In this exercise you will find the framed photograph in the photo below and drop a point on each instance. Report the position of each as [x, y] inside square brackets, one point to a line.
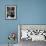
[10, 12]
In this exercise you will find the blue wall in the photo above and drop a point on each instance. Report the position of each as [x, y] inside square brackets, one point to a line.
[28, 12]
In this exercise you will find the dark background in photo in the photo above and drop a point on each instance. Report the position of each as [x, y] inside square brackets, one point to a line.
[10, 11]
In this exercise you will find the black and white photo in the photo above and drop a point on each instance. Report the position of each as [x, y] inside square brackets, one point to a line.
[10, 12]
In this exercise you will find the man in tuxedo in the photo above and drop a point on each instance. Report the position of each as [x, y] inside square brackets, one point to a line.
[10, 12]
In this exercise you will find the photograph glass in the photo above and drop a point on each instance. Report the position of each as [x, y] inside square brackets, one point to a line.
[10, 12]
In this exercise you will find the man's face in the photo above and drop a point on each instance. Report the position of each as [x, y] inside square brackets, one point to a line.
[10, 10]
